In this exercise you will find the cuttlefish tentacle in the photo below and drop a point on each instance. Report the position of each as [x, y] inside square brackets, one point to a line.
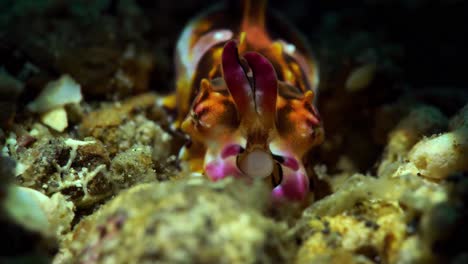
[265, 87]
[236, 80]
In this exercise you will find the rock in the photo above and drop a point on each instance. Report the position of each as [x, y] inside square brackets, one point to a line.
[121, 126]
[368, 232]
[132, 166]
[440, 156]
[75, 168]
[421, 121]
[366, 220]
[180, 222]
[115, 115]
[440, 231]
[435, 156]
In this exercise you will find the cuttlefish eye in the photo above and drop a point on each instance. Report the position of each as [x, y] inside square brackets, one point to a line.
[256, 164]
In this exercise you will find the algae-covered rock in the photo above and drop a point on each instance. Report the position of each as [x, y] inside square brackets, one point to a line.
[420, 121]
[84, 170]
[436, 156]
[398, 216]
[132, 166]
[122, 125]
[443, 225]
[368, 232]
[367, 219]
[445, 154]
[180, 222]
[75, 168]
[439, 235]
[442, 155]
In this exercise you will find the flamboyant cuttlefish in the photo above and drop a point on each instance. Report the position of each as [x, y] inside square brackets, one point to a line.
[245, 97]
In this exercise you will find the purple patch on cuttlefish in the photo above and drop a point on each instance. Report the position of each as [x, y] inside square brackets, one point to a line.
[291, 163]
[295, 186]
[221, 168]
[231, 150]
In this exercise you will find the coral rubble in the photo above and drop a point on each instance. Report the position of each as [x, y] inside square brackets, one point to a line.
[179, 222]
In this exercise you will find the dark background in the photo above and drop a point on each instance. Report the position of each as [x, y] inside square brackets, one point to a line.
[431, 33]
[428, 34]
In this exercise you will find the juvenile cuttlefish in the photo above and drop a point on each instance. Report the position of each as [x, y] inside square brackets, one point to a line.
[246, 82]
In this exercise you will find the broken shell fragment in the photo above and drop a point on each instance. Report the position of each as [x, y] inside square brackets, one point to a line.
[34, 210]
[55, 119]
[57, 93]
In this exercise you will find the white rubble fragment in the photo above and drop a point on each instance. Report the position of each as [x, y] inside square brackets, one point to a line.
[25, 206]
[20, 168]
[55, 119]
[37, 212]
[56, 94]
